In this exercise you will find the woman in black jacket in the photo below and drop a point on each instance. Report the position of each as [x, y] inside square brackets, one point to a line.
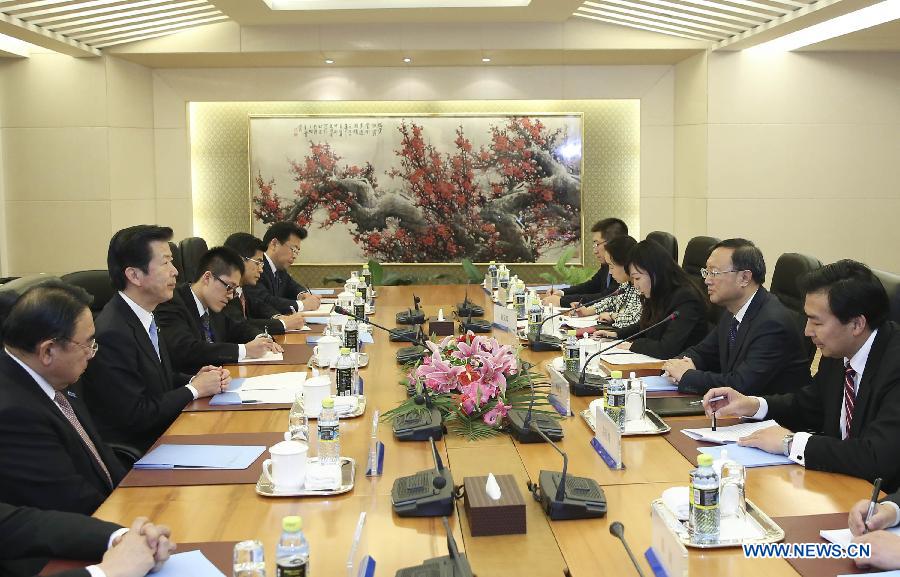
[665, 288]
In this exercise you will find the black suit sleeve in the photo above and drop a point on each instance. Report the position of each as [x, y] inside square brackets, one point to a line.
[237, 331]
[705, 354]
[262, 301]
[675, 334]
[187, 350]
[35, 463]
[27, 532]
[802, 410]
[258, 325]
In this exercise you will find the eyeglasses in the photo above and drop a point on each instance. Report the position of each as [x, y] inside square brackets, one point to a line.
[92, 346]
[295, 250]
[258, 263]
[598, 244]
[706, 272]
[229, 288]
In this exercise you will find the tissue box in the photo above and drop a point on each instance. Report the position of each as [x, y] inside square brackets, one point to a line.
[488, 517]
[440, 328]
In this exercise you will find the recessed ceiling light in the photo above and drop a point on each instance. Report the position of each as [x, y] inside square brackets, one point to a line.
[329, 61]
[407, 60]
[851, 22]
[485, 59]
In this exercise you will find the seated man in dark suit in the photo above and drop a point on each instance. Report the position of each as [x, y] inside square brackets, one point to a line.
[757, 349]
[30, 536]
[239, 308]
[50, 453]
[277, 292]
[602, 283]
[131, 389]
[847, 420]
[197, 333]
[885, 545]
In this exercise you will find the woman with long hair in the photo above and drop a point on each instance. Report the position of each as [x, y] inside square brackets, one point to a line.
[665, 289]
[623, 307]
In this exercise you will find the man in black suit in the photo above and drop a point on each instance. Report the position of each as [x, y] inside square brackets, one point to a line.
[131, 389]
[239, 308]
[277, 292]
[35, 535]
[602, 283]
[197, 333]
[885, 545]
[757, 349]
[50, 455]
[847, 420]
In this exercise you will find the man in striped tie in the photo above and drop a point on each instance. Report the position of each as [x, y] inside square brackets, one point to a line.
[51, 456]
[847, 420]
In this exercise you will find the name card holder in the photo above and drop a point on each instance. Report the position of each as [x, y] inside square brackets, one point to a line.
[607, 441]
[667, 556]
[375, 465]
[504, 318]
[560, 396]
[359, 562]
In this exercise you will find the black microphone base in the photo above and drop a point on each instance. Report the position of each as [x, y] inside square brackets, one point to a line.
[592, 386]
[412, 354]
[411, 317]
[419, 426]
[475, 326]
[416, 495]
[546, 343]
[469, 310]
[405, 335]
[439, 567]
[584, 499]
[527, 434]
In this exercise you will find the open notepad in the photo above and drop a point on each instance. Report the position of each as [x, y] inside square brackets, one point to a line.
[193, 563]
[278, 388]
[168, 456]
[729, 434]
[269, 356]
[844, 537]
[623, 357]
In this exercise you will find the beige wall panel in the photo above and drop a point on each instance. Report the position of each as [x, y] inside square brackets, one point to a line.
[691, 90]
[690, 161]
[125, 213]
[436, 37]
[131, 166]
[169, 106]
[175, 213]
[130, 89]
[656, 101]
[172, 163]
[657, 162]
[542, 36]
[657, 213]
[616, 82]
[54, 90]
[56, 164]
[489, 83]
[690, 219]
[81, 227]
[880, 233]
[279, 38]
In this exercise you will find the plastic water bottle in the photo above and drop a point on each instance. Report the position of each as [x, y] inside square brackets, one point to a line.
[298, 422]
[614, 405]
[351, 334]
[704, 493]
[367, 275]
[329, 434]
[363, 289]
[503, 275]
[519, 301]
[359, 306]
[292, 552]
[249, 559]
[344, 373]
[492, 276]
[732, 477]
[573, 353]
[535, 318]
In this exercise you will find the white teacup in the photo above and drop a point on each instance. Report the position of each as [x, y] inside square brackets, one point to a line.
[315, 390]
[286, 470]
[326, 350]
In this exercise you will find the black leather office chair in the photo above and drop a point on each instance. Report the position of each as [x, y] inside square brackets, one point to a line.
[788, 270]
[176, 260]
[891, 284]
[192, 248]
[97, 283]
[695, 254]
[665, 240]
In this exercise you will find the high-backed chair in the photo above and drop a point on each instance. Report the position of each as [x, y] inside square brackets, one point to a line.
[11, 290]
[665, 240]
[789, 268]
[176, 260]
[695, 254]
[192, 248]
[97, 283]
[891, 284]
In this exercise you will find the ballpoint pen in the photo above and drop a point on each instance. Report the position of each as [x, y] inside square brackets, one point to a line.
[872, 502]
[712, 400]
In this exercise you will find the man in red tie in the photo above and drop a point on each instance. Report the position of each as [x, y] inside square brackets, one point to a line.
[847, 420]
[51, 456]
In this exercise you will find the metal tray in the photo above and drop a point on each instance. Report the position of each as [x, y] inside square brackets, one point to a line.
[659, 426]
[348, 474]
[769, 531]
[360, 410]
[363, 361]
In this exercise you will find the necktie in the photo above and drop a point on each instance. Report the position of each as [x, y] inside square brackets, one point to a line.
[70, 415]
[154, 337]
[849, 397]
[243, 304]
[732, 333]
[207, 330]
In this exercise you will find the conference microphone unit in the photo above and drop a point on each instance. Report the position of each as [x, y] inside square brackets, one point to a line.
[617, 529]
[469, 309]
[474, 325]
[413, 316]
[453, 565]
[546, 343]
[428, 493]
[528, 427]
[583, 385]
[566, 497]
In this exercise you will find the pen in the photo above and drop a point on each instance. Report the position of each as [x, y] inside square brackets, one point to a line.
[714, 421]
[712, 400]
[293, 310]
[875, 490]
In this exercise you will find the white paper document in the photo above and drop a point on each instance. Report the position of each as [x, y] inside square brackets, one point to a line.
[844, 536]
[289, 380]
[323, 310]
[729, 434]
[269, 356]
[580, 322]
[269, 396]
[623, 357]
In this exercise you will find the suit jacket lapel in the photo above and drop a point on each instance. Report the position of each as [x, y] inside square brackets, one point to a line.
[141, 336]
[865, 392]
[744, 328]
[187, 296]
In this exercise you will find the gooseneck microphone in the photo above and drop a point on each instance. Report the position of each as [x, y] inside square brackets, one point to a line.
[527, 428]
[581, 377]
[540, 345]
[415, 339]
[617, 529]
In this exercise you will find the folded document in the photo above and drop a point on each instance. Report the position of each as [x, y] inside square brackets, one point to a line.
[729, 434]
[168, 456]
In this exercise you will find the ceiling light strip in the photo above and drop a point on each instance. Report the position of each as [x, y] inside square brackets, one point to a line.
[630, 25]
[657, 24]
[658, 16]
[728, 8]
[134, 35]
[759, 6]
[124, 21]
[70, 8]
[19, 5]
[814, 7]
[104, 34]
[676, 13]
[85, 14]
[692, 9]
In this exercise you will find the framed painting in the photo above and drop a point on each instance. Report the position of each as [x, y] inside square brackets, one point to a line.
[418, 188]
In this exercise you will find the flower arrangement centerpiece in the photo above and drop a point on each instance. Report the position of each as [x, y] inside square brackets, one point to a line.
[474, 381]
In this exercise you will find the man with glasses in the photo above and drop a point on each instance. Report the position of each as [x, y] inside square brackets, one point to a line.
[277, 293]
[197, 332]
[758, 348]
[602, 283]
[51, 456]
[241, 308]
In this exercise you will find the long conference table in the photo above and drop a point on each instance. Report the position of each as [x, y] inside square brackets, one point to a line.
[211, 513]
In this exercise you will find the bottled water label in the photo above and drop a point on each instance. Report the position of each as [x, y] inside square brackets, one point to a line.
[363, 292]
[705, 499]
[351, 339]
[293, 566]
[360, 310]
[344, 379]
[573, 358]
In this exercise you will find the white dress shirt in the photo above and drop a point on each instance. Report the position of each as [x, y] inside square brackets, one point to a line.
[857, 363]
[275, 271]
[202, 310]
[739, 316]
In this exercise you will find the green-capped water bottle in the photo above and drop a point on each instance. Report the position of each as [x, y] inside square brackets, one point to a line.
[573, 352]
[704, 494]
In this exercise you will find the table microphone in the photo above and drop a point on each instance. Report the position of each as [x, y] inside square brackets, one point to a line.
[526, 427]
[617, 529]
[540, 345]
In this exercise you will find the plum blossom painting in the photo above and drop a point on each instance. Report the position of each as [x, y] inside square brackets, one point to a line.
[421, 188]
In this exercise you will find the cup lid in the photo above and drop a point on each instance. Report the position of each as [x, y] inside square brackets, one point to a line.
[288, 448]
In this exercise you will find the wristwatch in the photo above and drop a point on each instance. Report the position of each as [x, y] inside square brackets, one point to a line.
[786, 444]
